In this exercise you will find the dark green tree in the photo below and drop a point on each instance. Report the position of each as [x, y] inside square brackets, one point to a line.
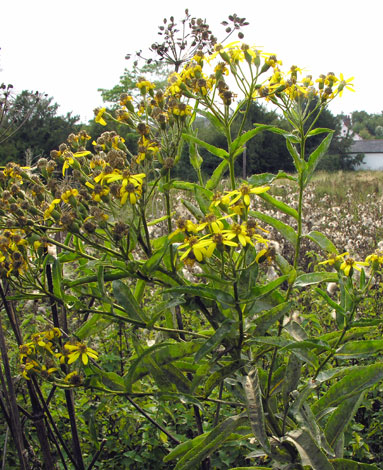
[41, 131]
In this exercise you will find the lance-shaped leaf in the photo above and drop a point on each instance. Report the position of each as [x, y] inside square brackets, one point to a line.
[204, 292]
[127, 300]
[291, 378]
[308, 450]
[162, 353]
[267, 178]
[265, 321]
[217, 175]
[184, 447]
[345, 464]
[288, 232]
[331, 302]
[210, 443]
[339, 419]
[322, 241]
[195, 158]
[94, 325]
[243, 138]
[214, 120]
[153, 262]
[203, 197]
[255, 409]
[218, 152]
[315, 278]
[221, 333]
[299, 163]
[359, 378]
[359, 349]
[316, 156]
[258, 292]
[218, 376]
[281, 206]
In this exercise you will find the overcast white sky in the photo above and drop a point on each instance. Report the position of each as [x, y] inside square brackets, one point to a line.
[68, 49]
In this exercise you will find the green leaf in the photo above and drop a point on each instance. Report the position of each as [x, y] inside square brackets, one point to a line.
[281, 206]
[255, 409]
[339, 419]
[217, 175]
[153, 262]
[203, 197]
[329, 300]
[218, 376]
[358, 349]
[111, 380]
[221, 333]
[195, 158]
[316, 156]
[161, 353]
[299, 164]
[291, 378]
[267, 178]
[265, 321]
[308, 449]
[258, 292]
[287, 231]
[210, 443]
[345, 464]
[214, 120]
[322, 241]
[356, 381]
[194, 210]
[315, 278]
[218, 152]
[184, 447]
[94, 325]
[319, 130]
[242, 139]
[204, 292]
[127, 300]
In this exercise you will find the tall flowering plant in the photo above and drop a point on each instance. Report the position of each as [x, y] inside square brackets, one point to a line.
[207, 325]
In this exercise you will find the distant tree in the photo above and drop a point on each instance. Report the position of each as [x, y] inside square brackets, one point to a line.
[41, 131]
[155, 72]
[368, 126]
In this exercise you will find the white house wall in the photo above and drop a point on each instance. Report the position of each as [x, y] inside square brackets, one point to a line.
[372, 162]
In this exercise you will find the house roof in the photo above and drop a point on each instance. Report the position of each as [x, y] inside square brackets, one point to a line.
[367, 146]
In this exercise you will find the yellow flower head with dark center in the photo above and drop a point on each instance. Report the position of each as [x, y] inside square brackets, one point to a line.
[350, 264]
[375, 259]
[240, 233]
[333, 258]
[219, 240]
[80, 350]
[195, 247]
[244, 193]
[131, 192]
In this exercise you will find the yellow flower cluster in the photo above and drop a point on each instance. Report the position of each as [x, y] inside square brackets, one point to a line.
[44, 354]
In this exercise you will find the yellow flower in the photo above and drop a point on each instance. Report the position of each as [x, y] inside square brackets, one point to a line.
[344, 84]
[99, 113]
[333, 258]
[68, 194]
[69, 158]
[244, 193]
[48, 212]
[240, 232]
[218, 240]
[350, 264]
[195, 248]
[78, 350]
